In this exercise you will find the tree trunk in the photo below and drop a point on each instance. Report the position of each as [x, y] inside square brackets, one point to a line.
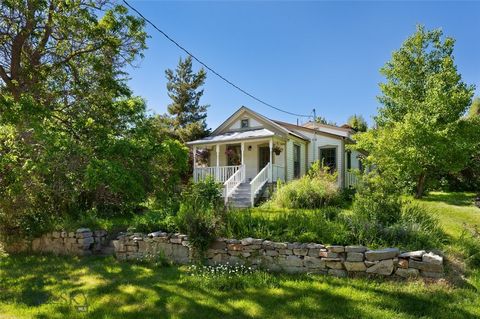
[421, 185]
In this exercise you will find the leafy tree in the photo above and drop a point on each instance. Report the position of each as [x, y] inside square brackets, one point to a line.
[358, 123]
[420, 130]
[474, 108]
[188, 116]
[72, 137]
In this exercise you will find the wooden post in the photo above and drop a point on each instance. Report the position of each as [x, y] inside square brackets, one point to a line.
[243, 159]
[271, 159]
[218, 163]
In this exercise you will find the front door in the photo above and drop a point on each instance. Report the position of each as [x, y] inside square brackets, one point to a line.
[263, 156]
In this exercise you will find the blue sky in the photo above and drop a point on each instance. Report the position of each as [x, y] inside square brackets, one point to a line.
[295, 55]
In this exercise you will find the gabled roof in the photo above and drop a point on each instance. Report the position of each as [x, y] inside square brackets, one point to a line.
[316, 130]
[259, 117]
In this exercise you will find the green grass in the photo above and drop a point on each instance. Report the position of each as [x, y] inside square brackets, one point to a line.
[453, 210]
[37, 286]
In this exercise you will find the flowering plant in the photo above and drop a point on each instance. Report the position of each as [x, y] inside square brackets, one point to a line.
[277, 149]
[203, 156]
[233, 156]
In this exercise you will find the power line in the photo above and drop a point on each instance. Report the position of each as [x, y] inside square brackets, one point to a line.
[209, 68]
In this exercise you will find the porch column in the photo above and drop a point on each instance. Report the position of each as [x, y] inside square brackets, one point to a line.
[242, 149]
[271, 160]
[194, 163]
[217, 177]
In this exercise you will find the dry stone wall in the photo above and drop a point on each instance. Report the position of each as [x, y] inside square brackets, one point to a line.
[284, 257]
[82, 242]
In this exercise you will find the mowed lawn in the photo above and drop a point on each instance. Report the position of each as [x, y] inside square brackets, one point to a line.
[51, 287]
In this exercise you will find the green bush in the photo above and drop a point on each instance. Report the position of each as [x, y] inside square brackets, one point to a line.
[154, 220]
[315, 190]
[201, 213]
[381, 218]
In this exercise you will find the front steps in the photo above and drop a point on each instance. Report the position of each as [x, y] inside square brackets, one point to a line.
[241, 197]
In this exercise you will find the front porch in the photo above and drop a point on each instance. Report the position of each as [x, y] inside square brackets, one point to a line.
[244, 167]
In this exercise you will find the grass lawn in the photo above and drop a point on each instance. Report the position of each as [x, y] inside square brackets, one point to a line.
[453, 210]
[34, 286]
[39, 286]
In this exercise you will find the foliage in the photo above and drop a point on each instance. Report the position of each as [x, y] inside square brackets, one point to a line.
[316, 189]
[421, 131]
[201, 213]
[74, 138]
[474, 108]
[323, 120]
[358, 123]
[153, 220]
[321, 226]
[470, 242]
[187, 115]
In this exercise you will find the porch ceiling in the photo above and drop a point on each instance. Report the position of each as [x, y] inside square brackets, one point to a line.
[234, 136]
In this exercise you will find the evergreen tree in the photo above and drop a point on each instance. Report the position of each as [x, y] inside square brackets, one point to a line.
[188, 117]
[358, 123]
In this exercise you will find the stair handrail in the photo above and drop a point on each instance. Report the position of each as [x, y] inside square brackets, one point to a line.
[258, 181]
[232, 183]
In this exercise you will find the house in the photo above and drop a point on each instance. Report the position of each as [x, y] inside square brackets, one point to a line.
[249, 150]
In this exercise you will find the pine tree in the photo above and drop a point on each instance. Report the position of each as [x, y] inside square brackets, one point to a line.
[188, 117]
[358, 123]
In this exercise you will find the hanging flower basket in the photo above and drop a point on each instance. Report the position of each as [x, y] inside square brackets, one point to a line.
[277, 149]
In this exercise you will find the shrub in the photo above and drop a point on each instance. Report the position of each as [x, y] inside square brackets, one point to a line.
[154, 220]
[314, 190]
[380, 217]
[201, 213]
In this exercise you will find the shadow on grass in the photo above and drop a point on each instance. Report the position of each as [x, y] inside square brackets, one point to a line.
[127, 290]
[456, 199]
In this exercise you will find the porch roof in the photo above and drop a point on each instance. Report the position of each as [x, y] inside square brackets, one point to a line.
[234, 136]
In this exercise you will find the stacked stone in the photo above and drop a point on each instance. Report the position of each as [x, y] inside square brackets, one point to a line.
[286, 257]
[82, 242]
[411, 264]
[138, 246]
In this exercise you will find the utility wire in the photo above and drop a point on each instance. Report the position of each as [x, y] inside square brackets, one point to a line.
[209, 68]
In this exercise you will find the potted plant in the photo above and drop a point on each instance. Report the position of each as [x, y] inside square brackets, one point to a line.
[277, 149]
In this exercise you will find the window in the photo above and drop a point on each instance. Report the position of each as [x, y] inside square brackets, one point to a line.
[349, 160]
[328, 157]
[244, 123]
[296, 161]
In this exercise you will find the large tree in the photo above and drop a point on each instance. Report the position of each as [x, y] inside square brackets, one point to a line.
[72, 137]
[187, 114]
[420, 127]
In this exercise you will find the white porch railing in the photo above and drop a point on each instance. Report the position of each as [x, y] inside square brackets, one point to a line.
[234, 180]
[278, 172]
[351, 179]
[257, 183]
[220, 173]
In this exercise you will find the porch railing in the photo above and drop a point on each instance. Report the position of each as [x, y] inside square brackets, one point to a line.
[220, 173]
[351, 179]
[257, 183]
[232, 183]
[278, 172]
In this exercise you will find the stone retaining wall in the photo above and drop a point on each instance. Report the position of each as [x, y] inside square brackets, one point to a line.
[82, 242]
[284, 257]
